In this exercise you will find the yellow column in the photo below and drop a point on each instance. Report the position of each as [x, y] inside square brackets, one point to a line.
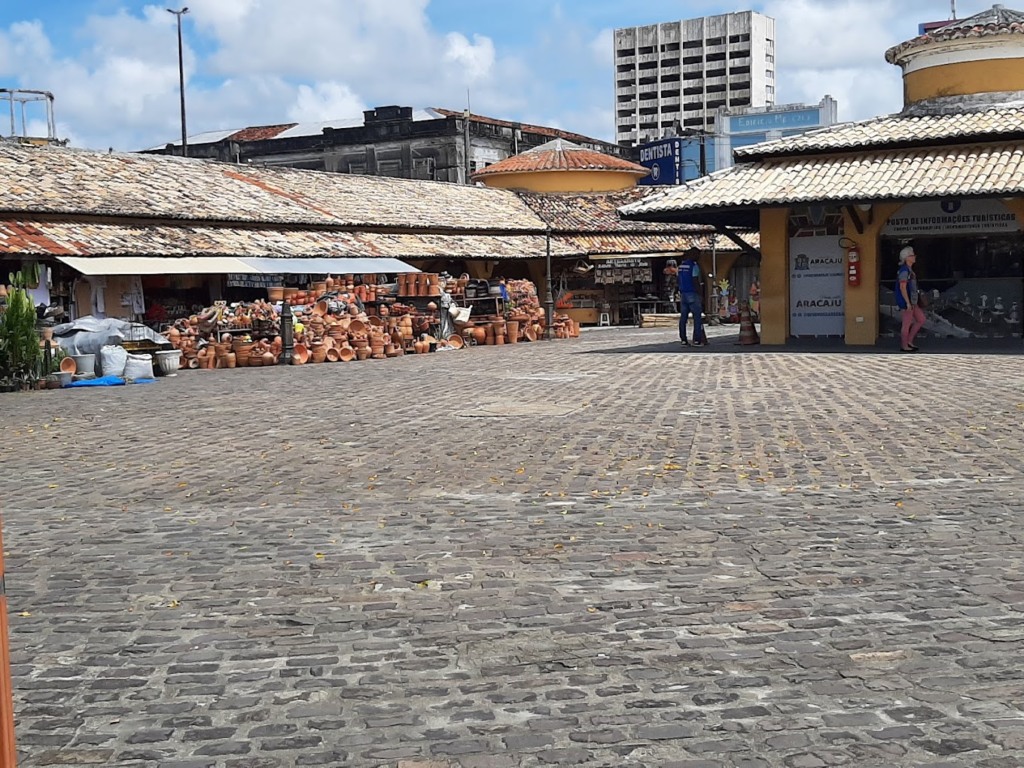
[862, 301]
[774, 275]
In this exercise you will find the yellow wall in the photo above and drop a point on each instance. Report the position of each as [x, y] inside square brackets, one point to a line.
[862, 300]
[988, 76]
[563, 181]
[774, 275]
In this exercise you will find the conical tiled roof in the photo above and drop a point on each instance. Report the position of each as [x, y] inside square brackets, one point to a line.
[997, 20]
[560, 155]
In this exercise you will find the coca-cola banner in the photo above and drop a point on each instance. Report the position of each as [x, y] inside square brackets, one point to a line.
[816, 286]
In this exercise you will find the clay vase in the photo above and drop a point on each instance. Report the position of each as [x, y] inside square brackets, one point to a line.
[269, 359]
[329, 282]
[333, 355]
[363, 353]
[318, 353]
[512, 331]
[300, 354]
[346, 354]
[480, 334]
[231, 359]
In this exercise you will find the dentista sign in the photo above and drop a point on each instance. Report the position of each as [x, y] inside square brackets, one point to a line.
[951, 217]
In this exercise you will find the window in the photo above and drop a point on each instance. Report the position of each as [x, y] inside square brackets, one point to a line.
[693, 60]
[645, 65]
[693, 44]
[423, 168]
[358, 168]
[647, 49]
[716, 41]
[739, 38]
[389, 167]
[715, 73]
[624, 52]
[716, 56]
[739, 70]
[770, 59]
[768, 74]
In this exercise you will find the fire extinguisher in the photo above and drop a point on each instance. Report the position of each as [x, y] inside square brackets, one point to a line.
[853, 266]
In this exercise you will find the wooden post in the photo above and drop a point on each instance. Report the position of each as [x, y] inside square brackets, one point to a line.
[8, 753]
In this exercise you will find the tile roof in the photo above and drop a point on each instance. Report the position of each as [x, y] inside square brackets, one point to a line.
[994, 123]
[561, 155]
[78, 238]
[648, 242]
[997, 20]
[260, 132]
[928, 172]
[68, 181]
[594, 212]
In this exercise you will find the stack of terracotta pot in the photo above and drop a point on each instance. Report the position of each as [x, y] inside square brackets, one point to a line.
[419, 284]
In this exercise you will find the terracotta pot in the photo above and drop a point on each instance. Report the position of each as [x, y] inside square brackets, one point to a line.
[346, 354]
[499, 339]
[275, 293]
[230, 360]
[68, 365]
[480, 334]
[300, 354]
[318, 353]
[512, 331]
[363, 354]
[333, 355]
[456, 341]
[269, 359]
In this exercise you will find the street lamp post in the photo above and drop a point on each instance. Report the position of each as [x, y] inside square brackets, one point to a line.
[549, 299]
[181, 81]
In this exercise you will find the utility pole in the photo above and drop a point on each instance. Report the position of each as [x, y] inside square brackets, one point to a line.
[465, 138]
[181, 81]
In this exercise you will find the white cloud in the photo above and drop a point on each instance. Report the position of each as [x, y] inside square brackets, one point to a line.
[474, 61]
[324, 101]
[252, 62]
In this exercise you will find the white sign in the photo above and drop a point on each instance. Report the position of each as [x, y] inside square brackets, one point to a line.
[817, 287]
[951, 217]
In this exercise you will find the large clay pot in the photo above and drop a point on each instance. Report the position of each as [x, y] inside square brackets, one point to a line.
[346, 354]
[512, 331]
[480, 334]
[300, 354]
[363, 353]
[269, 359]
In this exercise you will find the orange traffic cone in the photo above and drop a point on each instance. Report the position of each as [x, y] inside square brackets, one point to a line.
[748, 333]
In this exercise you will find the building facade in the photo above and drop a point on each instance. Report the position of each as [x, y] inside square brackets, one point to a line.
[744, 126]
[674, 76]
[837, 207]
[401, 142]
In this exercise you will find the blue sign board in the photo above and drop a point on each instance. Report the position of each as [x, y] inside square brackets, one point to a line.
[775, 121]
[664, 160]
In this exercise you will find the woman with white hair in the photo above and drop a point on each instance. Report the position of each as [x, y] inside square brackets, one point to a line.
[907, 297]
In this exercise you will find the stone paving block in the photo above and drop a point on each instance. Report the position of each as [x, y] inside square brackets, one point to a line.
[717, 557]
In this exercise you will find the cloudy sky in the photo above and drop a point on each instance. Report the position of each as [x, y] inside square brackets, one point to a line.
[112, 64]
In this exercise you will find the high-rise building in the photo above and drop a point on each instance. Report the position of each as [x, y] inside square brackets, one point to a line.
[671, 78]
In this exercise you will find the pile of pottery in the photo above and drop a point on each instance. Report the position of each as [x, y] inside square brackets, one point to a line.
[419, 284]
[344, 289]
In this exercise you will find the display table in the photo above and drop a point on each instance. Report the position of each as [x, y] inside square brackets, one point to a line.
[650, 306]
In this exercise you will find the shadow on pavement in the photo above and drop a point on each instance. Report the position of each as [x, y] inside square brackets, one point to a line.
[730, 345]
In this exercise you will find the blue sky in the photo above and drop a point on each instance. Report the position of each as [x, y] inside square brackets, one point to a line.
[112, 64]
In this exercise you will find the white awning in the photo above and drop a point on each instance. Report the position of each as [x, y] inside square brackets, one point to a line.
[327, 266]
[157, 265]
[228, 265]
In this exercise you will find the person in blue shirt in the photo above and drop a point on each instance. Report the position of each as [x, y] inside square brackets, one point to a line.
[691, 289]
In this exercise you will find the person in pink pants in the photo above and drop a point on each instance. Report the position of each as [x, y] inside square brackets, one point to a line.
[907, 297]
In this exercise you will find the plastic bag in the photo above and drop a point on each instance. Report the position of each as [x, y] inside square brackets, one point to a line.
[113, 360]
[138, 367]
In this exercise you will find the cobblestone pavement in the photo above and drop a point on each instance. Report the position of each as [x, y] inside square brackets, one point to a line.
[601, 552]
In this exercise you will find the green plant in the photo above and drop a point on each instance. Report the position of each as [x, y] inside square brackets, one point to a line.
[19, 345]
[55, 358]
[26, 277]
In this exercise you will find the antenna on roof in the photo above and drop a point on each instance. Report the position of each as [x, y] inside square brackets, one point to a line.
[952, 9]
